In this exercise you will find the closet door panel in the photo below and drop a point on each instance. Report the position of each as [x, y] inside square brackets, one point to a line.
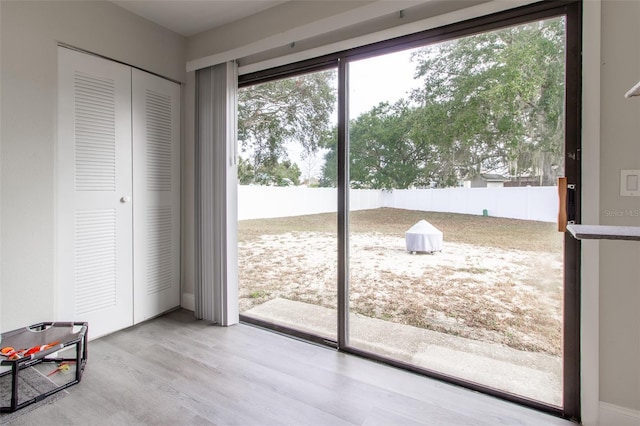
[95, 269]
[156, 190]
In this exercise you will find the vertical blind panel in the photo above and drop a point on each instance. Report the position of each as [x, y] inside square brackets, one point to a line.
[95, 260]
[95, 133]
[159, 132]
[204, 184]
[159, 249]
[216, 264]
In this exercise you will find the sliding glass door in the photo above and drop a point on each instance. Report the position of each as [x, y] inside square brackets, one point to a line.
[399, 200]
[287, 234]
[459, 267]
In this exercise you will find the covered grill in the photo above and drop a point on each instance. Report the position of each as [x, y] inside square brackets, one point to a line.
[423, 237]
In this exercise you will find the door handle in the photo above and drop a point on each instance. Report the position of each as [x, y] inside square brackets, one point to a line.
[125, 199]
[566, 204]
[562, 204]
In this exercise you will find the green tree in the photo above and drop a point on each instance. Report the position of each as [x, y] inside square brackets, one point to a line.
[396, 146]
[271, 114]
[504, 92]
[281, 173]
[382, 156]
[329, 176]
[487, 102]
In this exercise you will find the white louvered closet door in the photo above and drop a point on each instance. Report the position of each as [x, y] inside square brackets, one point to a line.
[118, 193]
[156, 194]
[94, 164]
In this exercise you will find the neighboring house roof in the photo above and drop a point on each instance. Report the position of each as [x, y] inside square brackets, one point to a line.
[491, 177]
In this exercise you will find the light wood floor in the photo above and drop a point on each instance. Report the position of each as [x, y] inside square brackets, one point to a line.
[174, 370]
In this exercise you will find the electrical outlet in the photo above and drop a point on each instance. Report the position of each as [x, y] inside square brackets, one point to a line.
[630, 183]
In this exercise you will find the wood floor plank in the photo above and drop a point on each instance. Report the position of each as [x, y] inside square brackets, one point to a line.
[446, 397]
[174, 370]
[281, 372]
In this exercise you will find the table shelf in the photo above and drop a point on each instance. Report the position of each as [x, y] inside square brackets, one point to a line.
[604, 232]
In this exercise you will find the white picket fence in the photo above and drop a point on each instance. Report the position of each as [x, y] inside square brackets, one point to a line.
[528, 203]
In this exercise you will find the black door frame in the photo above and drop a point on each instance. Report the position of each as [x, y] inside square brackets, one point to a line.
[572, 9]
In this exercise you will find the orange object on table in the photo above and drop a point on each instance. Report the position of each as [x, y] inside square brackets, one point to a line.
[13, 354]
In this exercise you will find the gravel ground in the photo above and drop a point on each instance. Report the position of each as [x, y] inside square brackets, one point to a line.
[508, 296]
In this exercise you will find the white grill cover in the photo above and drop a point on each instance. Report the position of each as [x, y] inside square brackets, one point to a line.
[423, 236]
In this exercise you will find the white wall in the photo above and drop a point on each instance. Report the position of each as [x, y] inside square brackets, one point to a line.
[29, 35]
[619, 261]
[590, 265]
[526, 203]
[262, 202]
[266, 24]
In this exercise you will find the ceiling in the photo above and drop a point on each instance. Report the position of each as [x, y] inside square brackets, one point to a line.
[189, 17]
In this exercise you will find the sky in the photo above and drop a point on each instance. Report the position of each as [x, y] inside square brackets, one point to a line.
[378, 79]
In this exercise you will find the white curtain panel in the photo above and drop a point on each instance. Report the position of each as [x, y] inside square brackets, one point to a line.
[216, 286]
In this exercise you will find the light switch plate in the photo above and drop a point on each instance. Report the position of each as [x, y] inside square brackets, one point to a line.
[630, 183]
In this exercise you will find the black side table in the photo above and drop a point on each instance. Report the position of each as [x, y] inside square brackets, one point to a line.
[63, 334]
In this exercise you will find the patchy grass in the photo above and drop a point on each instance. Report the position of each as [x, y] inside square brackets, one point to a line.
[480, 230]
[258, 294]
[497, 280]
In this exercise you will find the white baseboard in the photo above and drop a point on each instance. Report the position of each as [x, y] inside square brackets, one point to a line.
[611, 415]
[188, 301]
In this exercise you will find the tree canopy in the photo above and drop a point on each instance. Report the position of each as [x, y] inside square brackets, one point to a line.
[503, 92]
[271, 114]
[486, 103]
[491, 102]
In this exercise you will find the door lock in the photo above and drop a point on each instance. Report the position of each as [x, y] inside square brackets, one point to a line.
[567, 204]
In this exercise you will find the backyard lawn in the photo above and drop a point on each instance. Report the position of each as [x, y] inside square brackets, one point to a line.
[496, 280]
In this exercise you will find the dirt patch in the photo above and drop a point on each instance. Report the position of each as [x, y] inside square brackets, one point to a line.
[502, 295]
[486, 231]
